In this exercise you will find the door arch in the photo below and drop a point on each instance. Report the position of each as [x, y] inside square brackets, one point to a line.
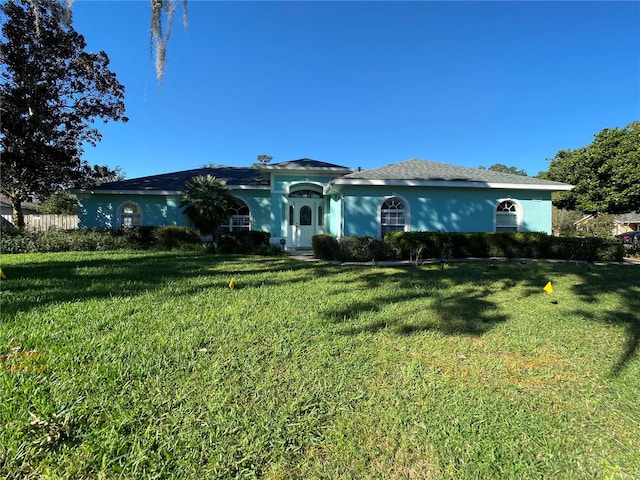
[305, 206]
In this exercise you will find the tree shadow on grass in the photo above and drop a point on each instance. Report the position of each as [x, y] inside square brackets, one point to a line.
[425, 300]
[623, 280]
[31, 285]
[34, 284]
[471, 311]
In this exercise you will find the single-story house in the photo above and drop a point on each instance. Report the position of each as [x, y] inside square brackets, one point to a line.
[629, 222]
[298, 199]
[6, 210]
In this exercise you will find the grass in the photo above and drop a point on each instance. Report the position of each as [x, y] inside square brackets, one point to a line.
[146, 365]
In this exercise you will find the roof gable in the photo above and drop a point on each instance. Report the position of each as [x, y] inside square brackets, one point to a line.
[305, 164]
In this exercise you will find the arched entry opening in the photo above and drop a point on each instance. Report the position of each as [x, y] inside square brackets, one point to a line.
[305, 216]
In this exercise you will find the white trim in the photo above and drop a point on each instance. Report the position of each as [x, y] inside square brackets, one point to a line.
[449, 184]
[119, 214]
[300, 183]
[229, 220]
[407, 212]
[519, 213]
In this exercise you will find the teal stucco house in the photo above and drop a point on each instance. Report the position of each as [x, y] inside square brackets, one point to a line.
[298, 199]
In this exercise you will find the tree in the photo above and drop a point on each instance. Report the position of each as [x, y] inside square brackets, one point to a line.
[499, 167]
[160, 36]
[64, 202]
[207, 203]
[162, 12]
[605, 174]
[60, 203]
[90, 176]
[52, 92]
[264, 159]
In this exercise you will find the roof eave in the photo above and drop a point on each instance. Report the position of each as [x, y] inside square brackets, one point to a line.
[450, 184]
[159, 192]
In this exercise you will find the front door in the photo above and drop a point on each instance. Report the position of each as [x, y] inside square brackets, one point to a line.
[303, 222]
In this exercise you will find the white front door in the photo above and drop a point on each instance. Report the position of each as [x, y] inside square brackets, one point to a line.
[303, 222]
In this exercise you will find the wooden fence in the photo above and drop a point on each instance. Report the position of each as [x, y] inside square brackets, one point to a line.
[42, 223]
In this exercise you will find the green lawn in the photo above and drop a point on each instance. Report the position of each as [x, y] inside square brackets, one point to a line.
[146, 365]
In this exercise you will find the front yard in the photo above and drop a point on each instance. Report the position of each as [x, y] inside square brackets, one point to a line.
[146, 365]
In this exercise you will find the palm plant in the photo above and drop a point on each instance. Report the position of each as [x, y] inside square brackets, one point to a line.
[206, 203]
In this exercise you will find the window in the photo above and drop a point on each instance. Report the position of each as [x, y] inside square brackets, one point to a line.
[129, 215]
[240, 219]
[507, 216]
[305, 215]
[305, 194]
[392, 216]
[320, 216]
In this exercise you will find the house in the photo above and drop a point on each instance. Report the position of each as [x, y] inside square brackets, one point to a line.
[6, 210]
[608, 224]
[298, 199]
[628, 222]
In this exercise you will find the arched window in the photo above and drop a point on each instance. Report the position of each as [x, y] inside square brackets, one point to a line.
[305, 215]
[305, 194]
[393, 216]
[129, 215]
[240, 218]
[507, 217]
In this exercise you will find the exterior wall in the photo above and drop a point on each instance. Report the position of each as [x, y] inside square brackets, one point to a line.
[444, 209]
[259, 203]
[334, 216]
[281, 186]
[354, 212]
[102, 211]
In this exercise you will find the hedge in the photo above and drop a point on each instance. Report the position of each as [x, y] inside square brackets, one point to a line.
[13, 240]
[416, 246]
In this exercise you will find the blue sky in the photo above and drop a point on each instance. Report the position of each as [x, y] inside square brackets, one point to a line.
[366, 83]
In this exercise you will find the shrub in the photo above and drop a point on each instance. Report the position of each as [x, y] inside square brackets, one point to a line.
[364, 249]
[325, 246]
[416, 245]
[173, 237]
[247, 242]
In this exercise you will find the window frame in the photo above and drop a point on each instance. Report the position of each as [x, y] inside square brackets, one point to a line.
[384, 228]
[135, 217]
[516, 214]
[238, 222]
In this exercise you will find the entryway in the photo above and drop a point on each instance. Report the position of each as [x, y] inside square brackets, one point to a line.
[305, 219]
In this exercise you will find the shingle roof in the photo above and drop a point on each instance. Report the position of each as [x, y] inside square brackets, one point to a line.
[175, 181]
[631, 217]
[305, 163]
[426, 171]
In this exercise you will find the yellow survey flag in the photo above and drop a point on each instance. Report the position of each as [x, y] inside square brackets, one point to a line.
[548, 288]
[232, 283]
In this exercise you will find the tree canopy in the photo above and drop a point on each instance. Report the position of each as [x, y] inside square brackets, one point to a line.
[207, 203]
[52, 92]
[499, 167]
[605, 173]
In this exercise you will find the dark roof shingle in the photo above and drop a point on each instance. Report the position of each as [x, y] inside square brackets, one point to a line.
[175, 181]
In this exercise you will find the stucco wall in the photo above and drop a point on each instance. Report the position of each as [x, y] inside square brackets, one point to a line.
[102, 211]
[442, 209]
